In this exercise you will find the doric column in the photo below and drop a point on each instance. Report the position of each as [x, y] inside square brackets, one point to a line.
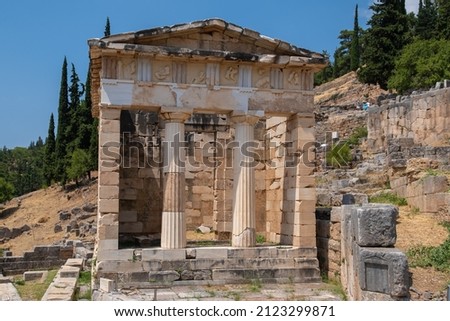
[173, 230]
[244, 221]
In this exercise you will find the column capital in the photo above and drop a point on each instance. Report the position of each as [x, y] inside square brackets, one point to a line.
[244, 118]
[175, 116]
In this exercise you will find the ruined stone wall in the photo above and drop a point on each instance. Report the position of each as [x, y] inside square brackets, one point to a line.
[41, 257]
[140, 190]
[423, 117]
[328, 228]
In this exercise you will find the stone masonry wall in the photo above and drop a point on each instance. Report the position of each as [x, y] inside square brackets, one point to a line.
[42, 257]
[328, 227]
[423, 117]
[209, 174]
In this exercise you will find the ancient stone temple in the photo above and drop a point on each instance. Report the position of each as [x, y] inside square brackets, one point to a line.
[204, 123]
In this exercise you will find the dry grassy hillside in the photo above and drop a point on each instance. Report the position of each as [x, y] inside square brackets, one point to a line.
[39, 210]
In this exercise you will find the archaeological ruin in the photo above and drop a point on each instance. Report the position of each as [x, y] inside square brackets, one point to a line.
[204, 123]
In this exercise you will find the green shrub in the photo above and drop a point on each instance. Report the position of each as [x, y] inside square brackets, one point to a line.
[340, 155]
[388, 198]
[85, 278]
[437, 257]
[260, 239]
[358, 133]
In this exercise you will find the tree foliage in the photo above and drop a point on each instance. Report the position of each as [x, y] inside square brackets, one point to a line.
[63, 125]
[6, 190]
[107, 32]
[426, 20]
[443, 19]
[49, 155]
[355, 48]
[383, 41]
[79, 165]
[421, 65]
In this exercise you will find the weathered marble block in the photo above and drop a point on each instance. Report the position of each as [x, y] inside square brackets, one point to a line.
[375, 225]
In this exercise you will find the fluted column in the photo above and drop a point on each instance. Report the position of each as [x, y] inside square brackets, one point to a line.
[173, 230]
[244, 221]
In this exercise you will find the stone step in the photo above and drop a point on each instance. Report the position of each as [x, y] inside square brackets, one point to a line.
[232, 263]
[296, 275]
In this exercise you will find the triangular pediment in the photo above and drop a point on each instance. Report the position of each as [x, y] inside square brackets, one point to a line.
[212, 35]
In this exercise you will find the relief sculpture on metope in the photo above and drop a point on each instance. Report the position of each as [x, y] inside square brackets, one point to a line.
[231, 74]
[294, 78]
[163, 73]
[264, 80]
[200, 78]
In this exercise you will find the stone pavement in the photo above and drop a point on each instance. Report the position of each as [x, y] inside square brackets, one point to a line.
[7, 290]
[231, 292]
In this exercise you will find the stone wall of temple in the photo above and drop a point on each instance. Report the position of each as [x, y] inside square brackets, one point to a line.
[284, 184]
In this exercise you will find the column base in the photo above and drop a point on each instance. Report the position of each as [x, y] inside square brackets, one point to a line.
[245, 239]
[173, 234]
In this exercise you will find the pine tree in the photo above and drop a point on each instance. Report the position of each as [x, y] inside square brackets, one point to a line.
[342, 54]
[107, 28]
[63, 124]
[426, 20]
[443, 20]
[387, 35]
[49, 156]
[355, 49]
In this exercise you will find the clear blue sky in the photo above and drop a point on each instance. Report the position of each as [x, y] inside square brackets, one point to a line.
[36, 35]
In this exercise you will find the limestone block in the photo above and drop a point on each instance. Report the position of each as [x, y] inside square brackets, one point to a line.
[109, 192]
[304, 241]
[107, 285]
[128, 216]
[433, 203]
[108, 178]
[300, 194]
[114, 254]
[34, 275]
[69, 272]
[131, 227]
[202, 190]
[375, 225]
[112, 244]
[383, 270]
[77, 262]
[109, 114]
[108, 166]
[108, 205]
[164, 276]
[435, 184]
[108, 219]
[212, 253]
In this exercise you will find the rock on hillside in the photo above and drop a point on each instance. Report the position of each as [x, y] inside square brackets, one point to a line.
[48, 216]
[347, 91]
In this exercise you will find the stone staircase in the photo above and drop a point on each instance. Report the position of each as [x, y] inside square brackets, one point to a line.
[214, 265]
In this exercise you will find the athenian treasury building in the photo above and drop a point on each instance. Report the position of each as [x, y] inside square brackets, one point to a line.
[211, 124]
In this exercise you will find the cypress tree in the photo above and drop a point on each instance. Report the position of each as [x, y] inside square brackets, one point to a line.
[63, 124]
[443, 20]
[426, 20]
[355, 49]
[107, 28]
[49, 156]
[76, 113]
[93, 137]
[384, 40]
